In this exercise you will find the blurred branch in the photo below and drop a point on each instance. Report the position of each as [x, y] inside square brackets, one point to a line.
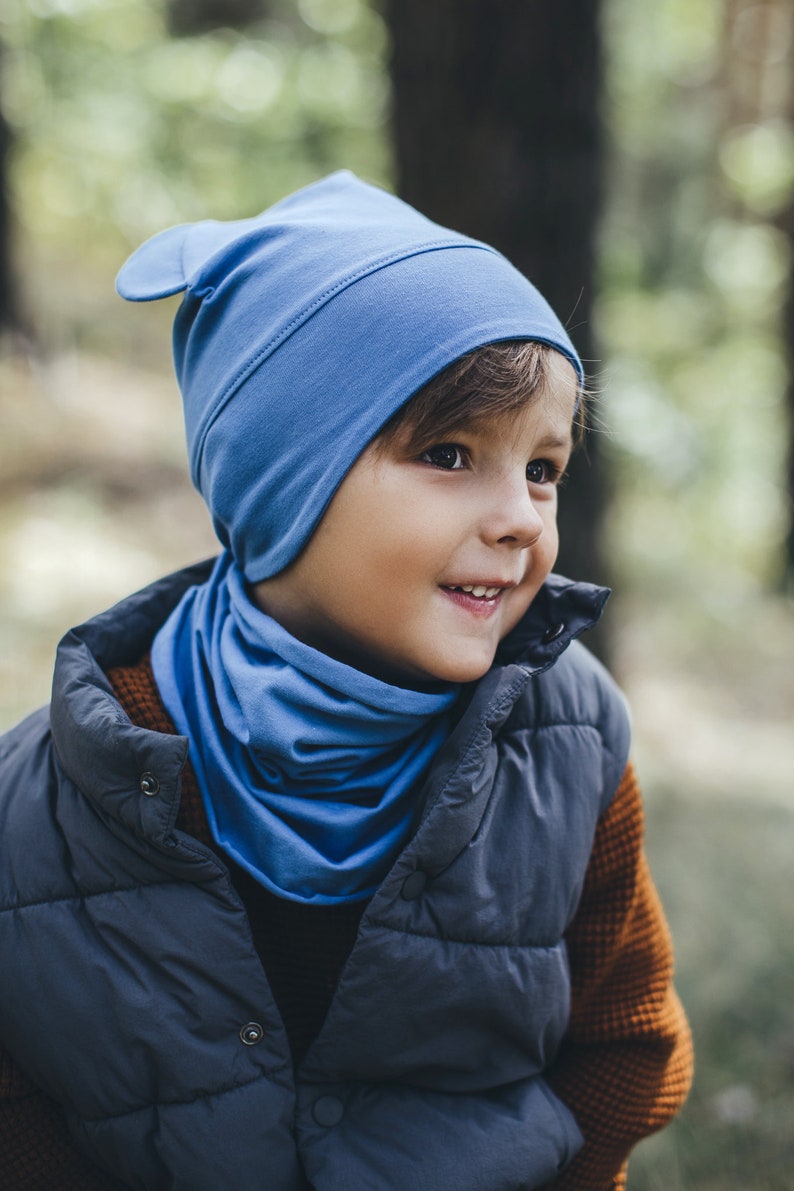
[189, 17]
[787, 222]
[788, 334]
[9, 308]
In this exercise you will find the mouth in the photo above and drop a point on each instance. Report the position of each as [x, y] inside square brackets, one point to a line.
[479, 591]
[480, 599]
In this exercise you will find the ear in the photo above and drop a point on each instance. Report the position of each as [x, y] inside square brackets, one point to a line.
[174, 259]
[155, 270]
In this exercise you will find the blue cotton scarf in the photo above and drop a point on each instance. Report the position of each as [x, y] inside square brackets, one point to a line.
[308, 768]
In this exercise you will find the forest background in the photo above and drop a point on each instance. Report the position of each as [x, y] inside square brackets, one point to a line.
[124, 116]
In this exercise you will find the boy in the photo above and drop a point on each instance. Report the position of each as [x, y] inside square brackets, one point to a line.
[378, 916]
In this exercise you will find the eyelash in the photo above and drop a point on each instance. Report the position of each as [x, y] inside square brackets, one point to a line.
[553, 474]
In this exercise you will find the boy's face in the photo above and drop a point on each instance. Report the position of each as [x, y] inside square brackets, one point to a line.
[421, 565]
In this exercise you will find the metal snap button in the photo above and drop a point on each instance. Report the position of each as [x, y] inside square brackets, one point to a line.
[251, 1033]
[553, 633]
[413, 885]
[149, 785]
[328, 1111]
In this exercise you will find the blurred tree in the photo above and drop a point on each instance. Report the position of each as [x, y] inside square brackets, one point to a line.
[9, 313]
[788, 334]
[186, 17]
[758, 64]
[787, 220]
[497, 131]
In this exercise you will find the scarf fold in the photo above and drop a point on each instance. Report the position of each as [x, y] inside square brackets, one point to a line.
[308, 768]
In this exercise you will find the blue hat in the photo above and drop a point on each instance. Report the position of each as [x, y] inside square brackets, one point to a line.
[302, 330]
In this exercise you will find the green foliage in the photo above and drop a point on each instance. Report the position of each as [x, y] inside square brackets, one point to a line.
[695, 272]
[122, 130]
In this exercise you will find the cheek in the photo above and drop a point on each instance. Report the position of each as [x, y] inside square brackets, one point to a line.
[400, 535]
[551, 536]
[553, 542]
[365, 560]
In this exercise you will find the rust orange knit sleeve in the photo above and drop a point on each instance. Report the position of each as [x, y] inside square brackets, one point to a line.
[625, 1065]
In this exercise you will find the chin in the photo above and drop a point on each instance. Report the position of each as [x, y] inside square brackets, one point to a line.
[452, 667]
[463, 669]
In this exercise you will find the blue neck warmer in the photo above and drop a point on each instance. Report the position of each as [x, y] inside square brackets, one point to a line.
[308, 767]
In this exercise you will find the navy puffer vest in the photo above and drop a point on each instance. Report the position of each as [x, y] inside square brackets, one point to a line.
[130, 990]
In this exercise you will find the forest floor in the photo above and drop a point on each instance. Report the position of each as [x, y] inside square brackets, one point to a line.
[715, 747]
[94, 503]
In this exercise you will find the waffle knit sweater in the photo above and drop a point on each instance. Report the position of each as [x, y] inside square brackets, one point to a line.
[625, 1065]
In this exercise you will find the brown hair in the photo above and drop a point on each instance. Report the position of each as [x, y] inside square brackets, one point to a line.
[489, 382]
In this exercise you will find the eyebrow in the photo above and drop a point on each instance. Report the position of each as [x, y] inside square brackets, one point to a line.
[551, 442]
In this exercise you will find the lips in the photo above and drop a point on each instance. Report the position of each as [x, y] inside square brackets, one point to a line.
[478, 599]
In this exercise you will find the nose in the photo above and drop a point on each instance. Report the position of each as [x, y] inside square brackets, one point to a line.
[512, 518]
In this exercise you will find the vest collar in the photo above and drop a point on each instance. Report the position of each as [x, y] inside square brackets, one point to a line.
[130, 774]
[561, 611]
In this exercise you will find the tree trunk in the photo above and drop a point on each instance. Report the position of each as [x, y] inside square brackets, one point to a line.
[497, 132]
[189, 17]
[9, 311]
[787, 222]
[788, 344]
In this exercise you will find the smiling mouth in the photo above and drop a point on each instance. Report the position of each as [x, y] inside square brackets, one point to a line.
[475, 599]
[479, 591]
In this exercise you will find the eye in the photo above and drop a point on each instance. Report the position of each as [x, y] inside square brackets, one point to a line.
[446, 456]
[542, 471]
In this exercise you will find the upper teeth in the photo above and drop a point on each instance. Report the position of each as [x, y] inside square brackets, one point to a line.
[488, 592]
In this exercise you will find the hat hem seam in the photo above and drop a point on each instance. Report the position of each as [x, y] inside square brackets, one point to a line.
[322, 299]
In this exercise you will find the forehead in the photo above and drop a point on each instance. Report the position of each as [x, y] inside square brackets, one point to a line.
[562, 374]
